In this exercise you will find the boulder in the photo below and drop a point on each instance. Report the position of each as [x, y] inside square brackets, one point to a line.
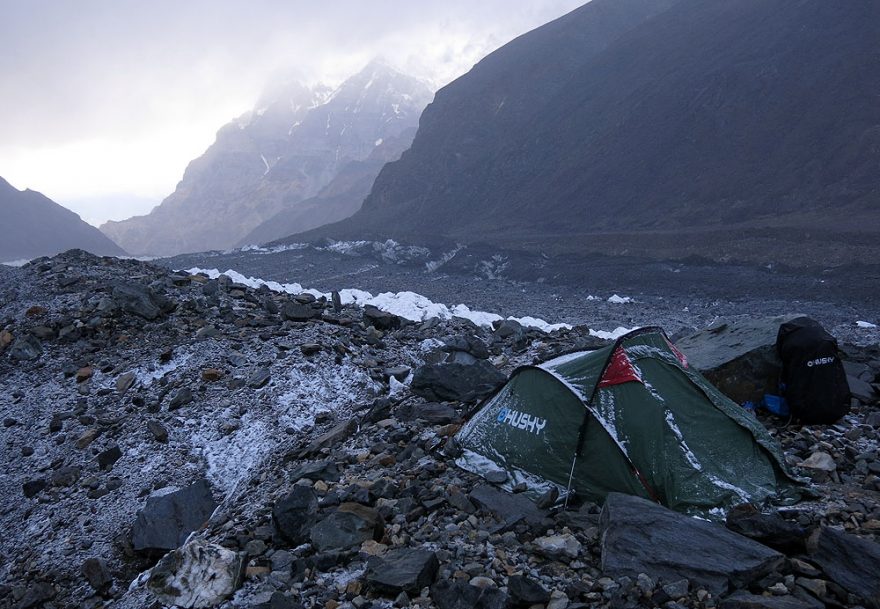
[851, 562]
[639, 536]
[166, 520]
[456, 381]
[738, 357]
[461, 595]
[295, 514]
[140, 300]
[402, 570]
[349, 526]
[199, 574]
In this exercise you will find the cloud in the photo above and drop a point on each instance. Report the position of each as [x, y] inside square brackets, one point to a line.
[115, 97]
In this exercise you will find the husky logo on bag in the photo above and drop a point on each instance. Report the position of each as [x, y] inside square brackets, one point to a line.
[822, 361]
[522, 420]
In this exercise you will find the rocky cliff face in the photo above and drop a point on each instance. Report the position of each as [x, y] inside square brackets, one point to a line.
[284, 152]
[34, 225]
[680, 127]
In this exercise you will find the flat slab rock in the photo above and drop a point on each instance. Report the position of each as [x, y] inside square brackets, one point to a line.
[507, 507]
[403, 570]
[852, 562]
[639, 536]
[744, 600]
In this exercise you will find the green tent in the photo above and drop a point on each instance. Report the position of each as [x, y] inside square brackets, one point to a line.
[632, 417]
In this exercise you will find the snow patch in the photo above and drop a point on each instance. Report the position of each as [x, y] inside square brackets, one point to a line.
[613, 334]
[16, 263]
[615, 299]
[407, 305]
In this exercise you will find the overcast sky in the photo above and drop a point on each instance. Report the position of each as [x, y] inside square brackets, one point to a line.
[104, 102]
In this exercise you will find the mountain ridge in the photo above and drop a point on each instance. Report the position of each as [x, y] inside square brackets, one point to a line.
[272, 158]
[34, 225]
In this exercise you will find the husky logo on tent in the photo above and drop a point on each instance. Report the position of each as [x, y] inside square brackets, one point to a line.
[521, 420]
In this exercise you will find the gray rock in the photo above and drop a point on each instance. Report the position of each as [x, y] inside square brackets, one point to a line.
[65, 476]
[260, 378]
[295, 514]
[507, 328]
[738, 357]
[197, 575]
[402, 570]
[36, 595]
[861, 390]
[166, 520]
[850, 561]
[32, 488]
[744, 600]
[564, 546]
[140, 300]
[457, 382]
[332, 438]
[125, 382]
[430, 412]
[525, 592]
[295, 311]
[769, 529]
[159, 432]
[639, 536]
[508, 508]
[96, 573]
[108, 457]
[379, 319]
[26, 348]
[327, 471]
[350, 525]
[183, 397]
[461, 595]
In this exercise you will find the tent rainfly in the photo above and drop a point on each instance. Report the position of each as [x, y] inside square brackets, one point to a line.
[632, 417]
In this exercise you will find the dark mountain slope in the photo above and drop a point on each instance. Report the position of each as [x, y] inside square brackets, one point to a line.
[341, 198]
[34, 225]
[706, 119]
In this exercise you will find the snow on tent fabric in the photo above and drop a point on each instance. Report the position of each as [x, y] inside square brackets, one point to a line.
[632, 417]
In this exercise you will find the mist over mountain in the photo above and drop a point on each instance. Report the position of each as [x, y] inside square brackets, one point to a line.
[34, 225]
[713, 127]
[284, 152]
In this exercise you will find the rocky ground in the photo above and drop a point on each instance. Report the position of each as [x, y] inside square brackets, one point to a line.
[294, 436]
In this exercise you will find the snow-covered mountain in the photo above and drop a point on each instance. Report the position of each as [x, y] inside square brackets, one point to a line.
[34, 225]
[285, 151]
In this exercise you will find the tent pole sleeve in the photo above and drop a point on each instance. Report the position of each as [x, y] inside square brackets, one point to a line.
[570, 478]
